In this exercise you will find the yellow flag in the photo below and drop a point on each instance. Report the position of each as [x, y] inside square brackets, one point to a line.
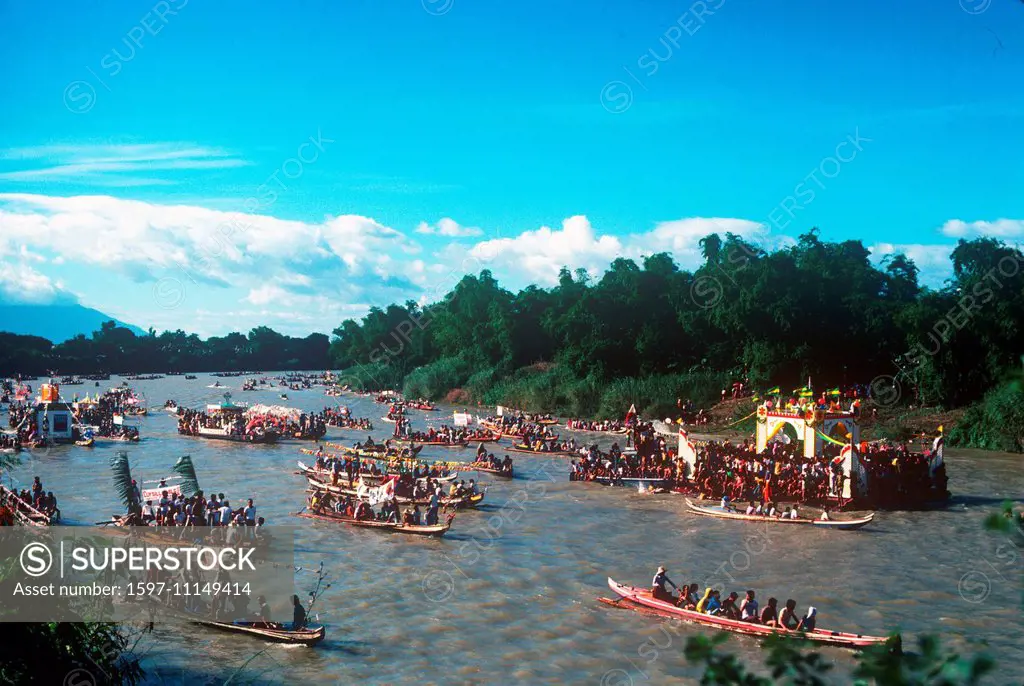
[940, 428]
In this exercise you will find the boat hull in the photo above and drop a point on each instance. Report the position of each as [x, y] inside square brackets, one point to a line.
[840, 524]
[488, 470]
[306, 637]
[433, 531]
[642, 598]
[519, 448]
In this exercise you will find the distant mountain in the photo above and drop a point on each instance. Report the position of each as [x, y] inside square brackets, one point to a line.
[56, 323]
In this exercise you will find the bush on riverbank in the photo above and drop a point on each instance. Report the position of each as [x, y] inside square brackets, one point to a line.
[996, 423]
[555, 388]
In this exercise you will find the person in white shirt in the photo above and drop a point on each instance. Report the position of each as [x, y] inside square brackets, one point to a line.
[225, 513]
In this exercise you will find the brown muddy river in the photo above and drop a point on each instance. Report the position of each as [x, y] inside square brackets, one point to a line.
[509, 595]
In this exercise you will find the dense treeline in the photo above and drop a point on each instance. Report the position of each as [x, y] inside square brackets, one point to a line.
[115, 349]
[651, 332]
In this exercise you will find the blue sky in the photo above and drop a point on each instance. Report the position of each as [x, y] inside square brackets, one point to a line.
[448, 134]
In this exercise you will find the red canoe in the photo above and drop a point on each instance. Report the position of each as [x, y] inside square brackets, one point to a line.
[640, 598]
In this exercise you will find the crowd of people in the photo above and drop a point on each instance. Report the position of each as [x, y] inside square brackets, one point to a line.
[352, 467]
[342, 418]
[173, 508]
[362, 511]
[34, 503]
[10, 442]
[894, 475]
[596, 426]
[489, 461]
[92, 417]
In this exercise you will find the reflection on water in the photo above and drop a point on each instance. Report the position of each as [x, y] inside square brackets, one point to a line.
[509, 595]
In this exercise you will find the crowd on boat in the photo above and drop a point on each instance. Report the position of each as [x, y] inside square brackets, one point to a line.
[520, 426]
[596, 426]
[353, 467]
[231, 424]
[342, 418]
[491, 463]
[444, 435]
[10, 442]
[745, 609]
[389, 511]
[29, 504]
[173, 508]
[896, 476]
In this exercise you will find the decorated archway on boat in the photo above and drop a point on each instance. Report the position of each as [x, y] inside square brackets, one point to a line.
[811, 426]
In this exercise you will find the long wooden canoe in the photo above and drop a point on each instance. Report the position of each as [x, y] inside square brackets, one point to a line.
[480, 467]
[434, 530]
[434, 444]
[521, 448]
[630, 596]
[307, 637]
[630, 481]
[464, 501]
[326, 475]
[841, 524]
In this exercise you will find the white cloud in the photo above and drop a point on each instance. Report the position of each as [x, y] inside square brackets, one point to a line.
[450, 228]
[22, 285]
[538, 255]
[931, 260]
[283, 266]
[1000, 228]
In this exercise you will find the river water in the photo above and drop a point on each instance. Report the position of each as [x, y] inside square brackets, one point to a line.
[509, 595]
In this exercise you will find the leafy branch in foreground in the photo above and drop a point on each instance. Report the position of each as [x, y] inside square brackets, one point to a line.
[885, 665]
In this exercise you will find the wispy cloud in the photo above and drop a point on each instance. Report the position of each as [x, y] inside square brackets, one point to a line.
[112, 164]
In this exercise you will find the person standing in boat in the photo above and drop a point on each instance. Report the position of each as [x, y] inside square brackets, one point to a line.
[298, 614]
[658, 590]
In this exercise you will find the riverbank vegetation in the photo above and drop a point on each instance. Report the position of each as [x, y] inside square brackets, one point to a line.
[116, 349]
[652, 333]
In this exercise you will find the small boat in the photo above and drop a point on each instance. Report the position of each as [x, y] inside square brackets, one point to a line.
[435, 444]
[307, 637]
[522, 448]
[486, 468]
[841, 524]
[547, 422]
[326, 476]
[488, 437]
[316, 484]
[86, 442]
[632, 482]
[389, 420]
[641, 599]
[118, 439]
[434, 530]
